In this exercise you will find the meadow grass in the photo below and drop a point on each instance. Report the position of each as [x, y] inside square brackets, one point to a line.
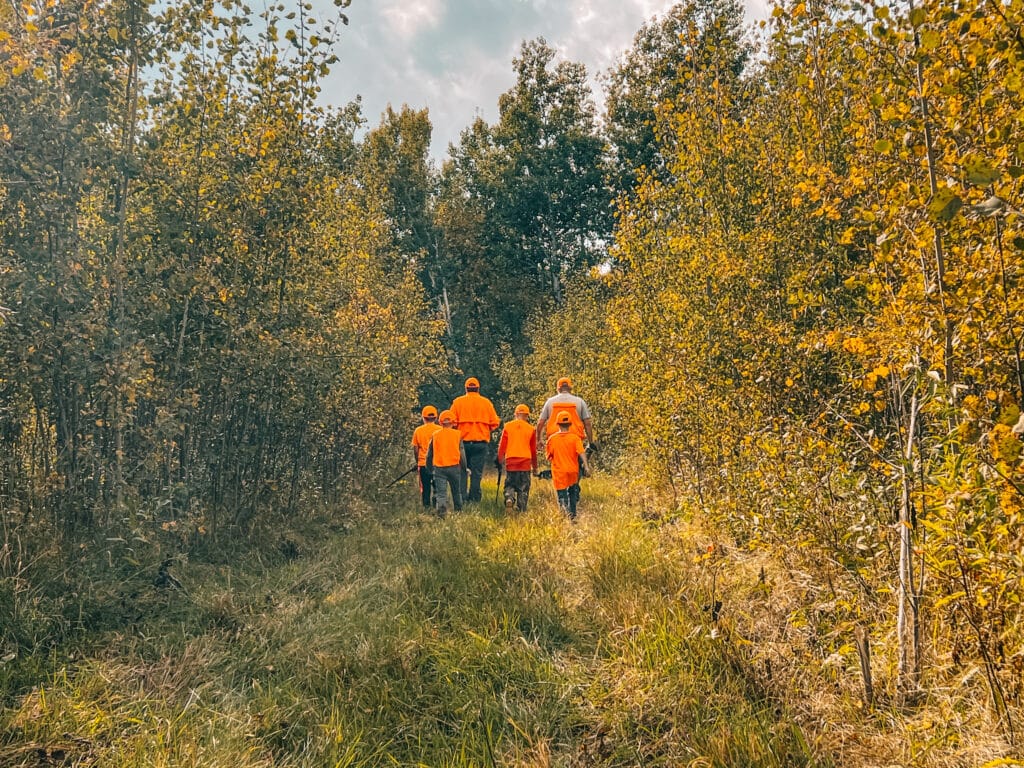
[479, 640]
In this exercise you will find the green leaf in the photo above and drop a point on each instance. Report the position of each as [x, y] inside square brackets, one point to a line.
[944, 205]
[883, 146]
[929, 39]
[980, 172]
[917, 17]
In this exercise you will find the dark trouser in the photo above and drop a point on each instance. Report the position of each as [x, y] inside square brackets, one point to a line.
[476, 453]
[517, 488]
[445, 478]
[426, 487]
[568, 498]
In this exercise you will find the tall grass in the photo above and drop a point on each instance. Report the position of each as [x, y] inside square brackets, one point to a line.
[480, 640]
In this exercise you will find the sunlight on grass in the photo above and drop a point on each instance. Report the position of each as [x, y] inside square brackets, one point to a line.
[477, 640]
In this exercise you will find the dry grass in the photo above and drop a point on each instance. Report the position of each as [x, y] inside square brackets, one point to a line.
[486, 640]
[789, 619]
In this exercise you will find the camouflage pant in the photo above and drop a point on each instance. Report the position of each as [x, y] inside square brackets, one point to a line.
[517, 489]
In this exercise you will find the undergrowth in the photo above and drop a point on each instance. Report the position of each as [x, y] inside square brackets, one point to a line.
[401, 639]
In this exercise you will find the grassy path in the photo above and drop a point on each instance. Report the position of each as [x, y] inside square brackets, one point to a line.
[474, 641]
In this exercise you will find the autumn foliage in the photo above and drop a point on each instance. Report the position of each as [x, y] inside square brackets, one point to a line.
[203, 315]
[805, 327]
[810, 324]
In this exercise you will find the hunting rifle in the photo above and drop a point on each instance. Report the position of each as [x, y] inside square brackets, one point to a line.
[407, 472]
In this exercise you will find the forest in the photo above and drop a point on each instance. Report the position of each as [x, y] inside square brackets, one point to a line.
[783, 263]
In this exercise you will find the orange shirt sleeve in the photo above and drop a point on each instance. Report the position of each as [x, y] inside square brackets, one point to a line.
[503, 444]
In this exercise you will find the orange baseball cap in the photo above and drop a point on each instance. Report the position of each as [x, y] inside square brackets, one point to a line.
[428, 411]
[446, 415]
[522, 409]
[563, 418]
[472, 383]
[564, 381]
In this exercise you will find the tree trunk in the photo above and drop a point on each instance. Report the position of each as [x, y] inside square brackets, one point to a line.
[908, 631]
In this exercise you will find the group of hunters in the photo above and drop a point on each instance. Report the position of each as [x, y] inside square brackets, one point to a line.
[451, 449]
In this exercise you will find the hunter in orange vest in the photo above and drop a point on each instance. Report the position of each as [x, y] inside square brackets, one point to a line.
[564, 401]
[446, 459]
[420, 444]
[517, 452]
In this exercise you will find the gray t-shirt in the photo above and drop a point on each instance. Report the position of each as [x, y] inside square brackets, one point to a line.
[565, 397]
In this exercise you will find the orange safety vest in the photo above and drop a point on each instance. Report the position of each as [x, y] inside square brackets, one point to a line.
[475, 416]
[421, 440]
[446, 442]
[563, 451]
[518, 446]
[575, 425]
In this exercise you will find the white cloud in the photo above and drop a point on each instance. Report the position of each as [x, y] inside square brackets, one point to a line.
[455, 56]
[407, 18]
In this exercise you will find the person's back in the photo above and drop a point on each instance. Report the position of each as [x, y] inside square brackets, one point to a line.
[476, 418]
[446, 458]
[446, 443]
[563, 451]
[518, 446]
[564, 401]
[517, 449]
[420, 445]
[570, 404]
[568, 460]
[421, 440]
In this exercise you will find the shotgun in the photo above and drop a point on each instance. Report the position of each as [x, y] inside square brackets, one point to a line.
[407, 472]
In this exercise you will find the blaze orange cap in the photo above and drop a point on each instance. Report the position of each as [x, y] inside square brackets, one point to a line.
[472, 383]
[447, 415]
[564, 381]
[428, 411]
[523, 409]
[563, 418]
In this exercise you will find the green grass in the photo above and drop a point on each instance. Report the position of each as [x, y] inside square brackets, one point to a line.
[475, 641]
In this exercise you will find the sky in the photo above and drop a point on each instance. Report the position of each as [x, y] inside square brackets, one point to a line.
[454, 57]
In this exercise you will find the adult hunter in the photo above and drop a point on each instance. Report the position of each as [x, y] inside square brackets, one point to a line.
[475, 418]
[564, 401]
